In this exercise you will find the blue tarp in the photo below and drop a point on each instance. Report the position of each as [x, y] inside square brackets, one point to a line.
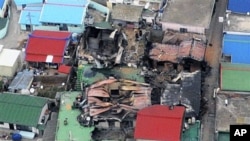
[238, 47]
[64, 12]
[30, 16]
[239, 6]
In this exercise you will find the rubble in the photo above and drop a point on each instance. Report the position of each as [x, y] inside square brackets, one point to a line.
[112, 100]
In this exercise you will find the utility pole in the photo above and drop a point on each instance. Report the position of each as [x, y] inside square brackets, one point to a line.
[29, 16]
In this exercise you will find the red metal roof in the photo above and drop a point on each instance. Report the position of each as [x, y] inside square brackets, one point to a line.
[158, 122]
[43, 43]
[64, 69]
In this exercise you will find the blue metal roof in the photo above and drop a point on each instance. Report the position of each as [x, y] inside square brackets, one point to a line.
[69, 2]
[239, 6]
[1, 3]
[65, 12]
[20, 2]
[30, 15]
[238, 46]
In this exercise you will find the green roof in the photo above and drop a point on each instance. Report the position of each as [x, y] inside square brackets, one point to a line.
[192, 133]
[235, 77]
[223, 136]
[73, 130]
[21, 109]
[3, 22]
[101, 74]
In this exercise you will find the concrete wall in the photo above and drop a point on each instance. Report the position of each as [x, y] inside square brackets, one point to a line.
[49, 28]
[100, 8]
[76, 29]
[176, 27]
[5, 125]
[45, 107]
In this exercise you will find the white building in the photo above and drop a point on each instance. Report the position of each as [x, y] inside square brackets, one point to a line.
[9, 61]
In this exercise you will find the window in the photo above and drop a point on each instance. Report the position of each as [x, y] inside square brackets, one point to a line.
[1, 123]
[183, 30]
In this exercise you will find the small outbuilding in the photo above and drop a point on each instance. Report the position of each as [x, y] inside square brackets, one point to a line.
[9, 60]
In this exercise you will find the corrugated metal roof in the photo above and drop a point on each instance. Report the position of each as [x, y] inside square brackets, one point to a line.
[130, 13]
[159, 123]
[239, 6]
[42, 44]
[20, 2]
[21, 109]
[30, 15]
[235, 77]
[22, 80]
[238, 47]
[64, 12]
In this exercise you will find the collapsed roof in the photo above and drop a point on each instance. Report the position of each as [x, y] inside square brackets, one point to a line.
[114, 99]
[175, 53]
[187, 93]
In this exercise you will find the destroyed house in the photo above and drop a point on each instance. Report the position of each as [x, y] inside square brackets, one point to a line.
[237, 6]
[104, 44]
[187, 93]
[113, 101]
[47, 46]
[236, 48]
[160, 122]
[175, 53]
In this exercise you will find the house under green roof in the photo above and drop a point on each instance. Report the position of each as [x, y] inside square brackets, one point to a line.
[21, 109]
[235, 77]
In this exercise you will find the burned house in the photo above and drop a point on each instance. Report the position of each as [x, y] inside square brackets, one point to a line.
[103, 45]
[112, 103]
[172, 53]
[187, 93]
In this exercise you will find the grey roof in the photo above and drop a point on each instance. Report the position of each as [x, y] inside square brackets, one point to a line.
[189, 12]
[236, 112]
[50, 130]
[237, 23]
[22, 80]
[187, 93]
[129, 13]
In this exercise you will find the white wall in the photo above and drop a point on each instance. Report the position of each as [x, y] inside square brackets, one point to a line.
[5, 125]
[35, 130]
[45, 107]
[176, 27]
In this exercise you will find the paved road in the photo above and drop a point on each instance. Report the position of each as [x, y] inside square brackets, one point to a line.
[213, 54]
[14, 35]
